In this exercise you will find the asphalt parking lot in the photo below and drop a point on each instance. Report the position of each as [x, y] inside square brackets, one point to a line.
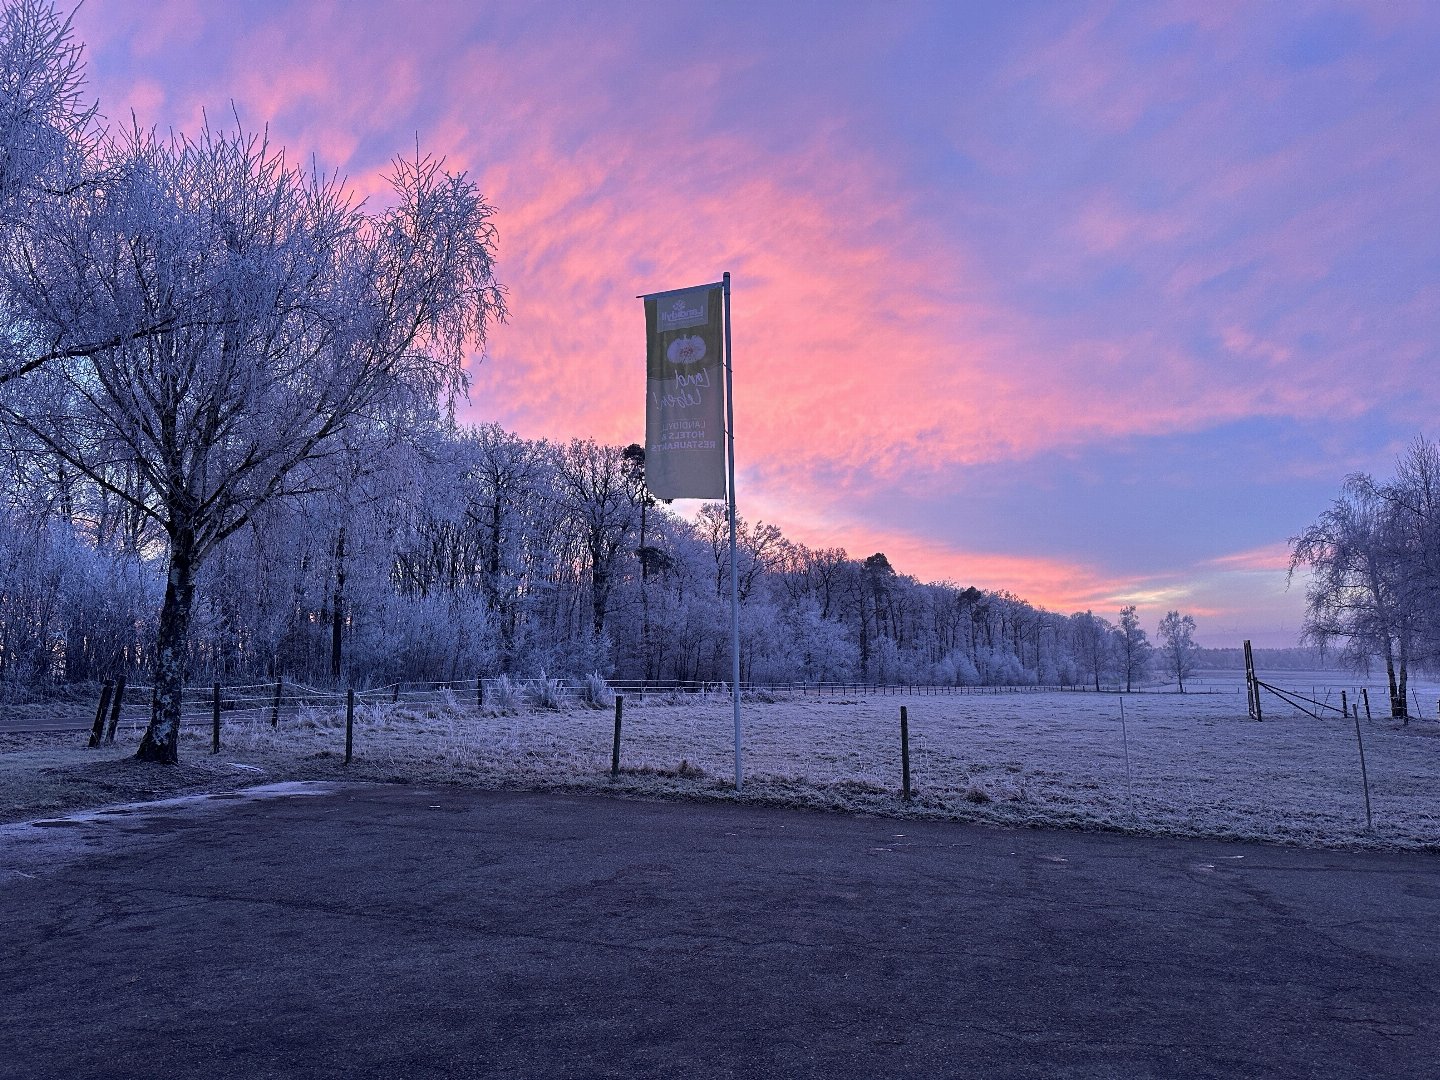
[398, 931]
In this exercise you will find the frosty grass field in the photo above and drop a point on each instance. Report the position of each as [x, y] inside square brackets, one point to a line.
[1198, 766]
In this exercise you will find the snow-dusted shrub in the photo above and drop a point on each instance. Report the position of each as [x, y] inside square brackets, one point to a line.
[505, 695]
[547, 693]
[1000, 667]
[956, 669]
[1061, 672]
[314, 718]
[596, 692]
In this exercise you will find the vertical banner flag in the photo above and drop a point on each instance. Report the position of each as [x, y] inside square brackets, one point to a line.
[684, 400]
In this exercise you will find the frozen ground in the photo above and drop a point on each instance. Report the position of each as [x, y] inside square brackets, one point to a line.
[1198, 766]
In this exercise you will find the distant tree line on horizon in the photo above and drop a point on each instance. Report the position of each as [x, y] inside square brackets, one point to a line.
[1299, 658]
[469, 550]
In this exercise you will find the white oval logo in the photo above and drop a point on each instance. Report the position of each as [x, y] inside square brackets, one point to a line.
[686, 350]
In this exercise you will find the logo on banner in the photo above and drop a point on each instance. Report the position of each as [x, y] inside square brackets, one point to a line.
[686, 350]
[683, 311]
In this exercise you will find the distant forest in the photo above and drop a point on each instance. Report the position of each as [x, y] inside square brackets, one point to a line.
[1300, 659]
[464, 551]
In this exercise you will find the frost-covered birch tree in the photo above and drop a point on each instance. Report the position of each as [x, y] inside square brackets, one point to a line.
[1133, 646]
[1374, 562]
[220, 321]
[1177, 645]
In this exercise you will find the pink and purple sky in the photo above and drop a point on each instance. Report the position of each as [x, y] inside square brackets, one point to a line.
[1094, 302]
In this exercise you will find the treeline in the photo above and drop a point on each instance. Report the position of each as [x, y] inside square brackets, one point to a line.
[1303, 658]
[472, 550]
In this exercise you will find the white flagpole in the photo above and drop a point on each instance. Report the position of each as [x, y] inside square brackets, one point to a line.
[734, 575]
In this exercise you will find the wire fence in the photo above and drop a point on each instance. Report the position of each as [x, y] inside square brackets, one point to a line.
[1194, 762]
[282, 699]
[278, 700]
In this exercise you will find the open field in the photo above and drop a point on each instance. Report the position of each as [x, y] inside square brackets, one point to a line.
[1197, 765]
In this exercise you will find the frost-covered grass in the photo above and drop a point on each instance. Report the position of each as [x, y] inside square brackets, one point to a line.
[1198, 765]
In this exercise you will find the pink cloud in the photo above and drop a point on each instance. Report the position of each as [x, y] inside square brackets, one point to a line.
[1103, 226]
[1270, 557]
[1225, 593]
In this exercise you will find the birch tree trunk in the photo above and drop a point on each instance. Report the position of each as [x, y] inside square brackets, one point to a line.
[162, 737]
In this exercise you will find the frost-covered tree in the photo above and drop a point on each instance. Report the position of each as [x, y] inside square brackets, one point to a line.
[1411, 550]
[45, 137]
[1412, 500]
[603, 508]
[1177, 645]
[1133, 647]
[507, 484]
[45, 122]
[758, 547]
[250, 318]
[1092, 637]
[1374, 562]
[1353, 594]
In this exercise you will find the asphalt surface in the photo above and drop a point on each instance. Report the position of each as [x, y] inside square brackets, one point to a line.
[403, 932]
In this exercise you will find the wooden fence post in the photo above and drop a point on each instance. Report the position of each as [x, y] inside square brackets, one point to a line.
[275, 704]
[1364, 775]
[215, 721]
[615, 748]
[905, 750]
[98, 731]
[115, 704]
[349, 722]
[1365, 696]
[479, 692]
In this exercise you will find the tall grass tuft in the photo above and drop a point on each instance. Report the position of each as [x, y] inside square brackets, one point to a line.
[547, 693]
[506, 696]
[596, 692]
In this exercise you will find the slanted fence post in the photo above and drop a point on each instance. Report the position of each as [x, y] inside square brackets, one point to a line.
[1364, 775]
[115, 705]
[98, 731]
